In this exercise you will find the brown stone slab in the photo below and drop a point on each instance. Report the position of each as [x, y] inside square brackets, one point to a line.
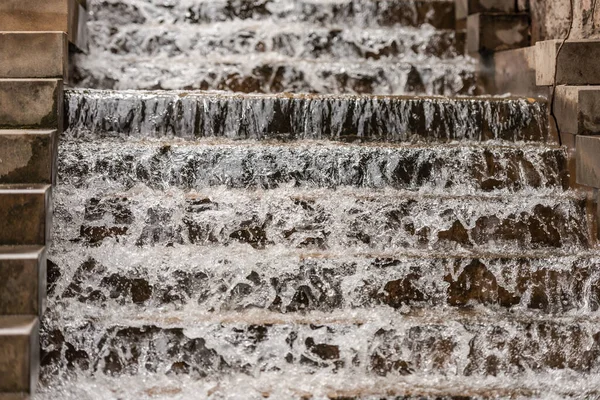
[34, 15]
[487, 32]
[577, 109]
[31, 103]
[464, 8]
[575, 64]
[25, 214]
[19, 354]
[22, 280]
[68, 16]
[33, 55]
[27, 156]
[588, 161]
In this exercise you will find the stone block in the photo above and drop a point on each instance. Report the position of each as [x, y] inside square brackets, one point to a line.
[513, 71]
[488, 32]
[25, 212]
[22, 280]
[31, 103]
[34, 15]
[577, 109]
[19, 354]
[575, 64]
[588, 161]
[27, 156]
[464, 8]
[44, 15]
[33, 55]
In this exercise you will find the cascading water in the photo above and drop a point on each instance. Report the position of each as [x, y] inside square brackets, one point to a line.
[325, 244]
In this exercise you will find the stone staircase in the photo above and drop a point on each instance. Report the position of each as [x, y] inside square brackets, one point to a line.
[33, 65]
[351, 242]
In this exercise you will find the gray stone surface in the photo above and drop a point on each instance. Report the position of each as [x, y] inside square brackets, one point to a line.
[22, 280]
[33, 55]
[576, 109]
[495, 32]
[19, 354]
[588, 161]
[31, 104]
[575, 64]
[25, 211]
[26, 156]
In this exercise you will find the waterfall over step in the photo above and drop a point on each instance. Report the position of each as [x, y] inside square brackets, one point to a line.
[302, 199]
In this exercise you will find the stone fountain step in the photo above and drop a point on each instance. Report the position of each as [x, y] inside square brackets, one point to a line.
[280, 279]
[249, 164]
[22, 280]
[290, 384]
[25, 212]
[27, 156]
[33, 55]
[359, 13]
[19, 354]
[325, 219]
[296, 40]
[30, 103]
[95, 113]
[269, 73]
[371, 342]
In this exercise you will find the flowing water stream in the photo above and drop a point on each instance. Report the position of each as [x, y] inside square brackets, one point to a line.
[302, 227]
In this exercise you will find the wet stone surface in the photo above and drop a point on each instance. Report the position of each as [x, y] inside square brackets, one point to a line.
[190, 115]
[403, 347]
[238, 165]
[298, 283]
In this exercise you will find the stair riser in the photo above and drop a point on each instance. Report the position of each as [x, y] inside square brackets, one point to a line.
[26, 217]
[23, 286]
[298, 41]
[27, 157]
[236, 279]
[31, 104]
[329, 221]
[265, 75]
[348, 13]
[466, 348]
[19, 354]
[169, 165]
[396, 119]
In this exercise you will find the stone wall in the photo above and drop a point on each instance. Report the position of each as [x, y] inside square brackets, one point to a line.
[551, 18]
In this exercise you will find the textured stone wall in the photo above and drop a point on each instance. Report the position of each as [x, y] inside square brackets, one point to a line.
[551, 18]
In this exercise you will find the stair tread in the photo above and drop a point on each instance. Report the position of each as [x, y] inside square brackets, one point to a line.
[11, 325]
[246, 74]
[24, 188]
[21, 252]
[108, 94]
[191, 317]
[292, 384]
[296, 39]
[27, 131]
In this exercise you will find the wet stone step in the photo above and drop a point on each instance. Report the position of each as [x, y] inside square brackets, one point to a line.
[324, 220]
[275, 74]
[363, 13]
[235, 278]
[92, 113]
[288, 384]
[197, 165]
[294, 40]
[366, 343]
